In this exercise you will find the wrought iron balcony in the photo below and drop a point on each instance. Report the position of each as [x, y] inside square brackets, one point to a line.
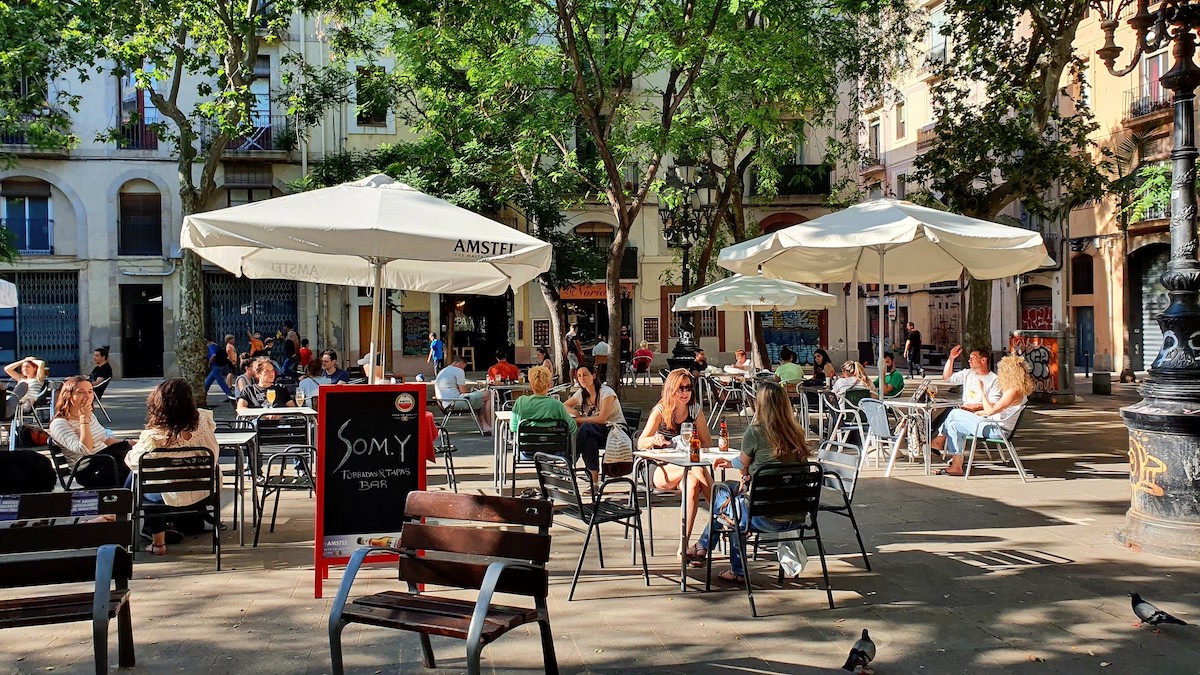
[798, 180]
[1140, 103]
[270, 133]
[925, 138]
[32, 236]
[140, 133]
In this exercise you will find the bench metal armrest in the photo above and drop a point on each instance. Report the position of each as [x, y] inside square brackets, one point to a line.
[486, 590]
[105, 557]
[356, 561]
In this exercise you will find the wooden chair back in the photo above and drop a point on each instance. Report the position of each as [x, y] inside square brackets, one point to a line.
[458, 556]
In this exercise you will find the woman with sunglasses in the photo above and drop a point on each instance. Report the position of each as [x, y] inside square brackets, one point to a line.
[78, 433]
[679, 405]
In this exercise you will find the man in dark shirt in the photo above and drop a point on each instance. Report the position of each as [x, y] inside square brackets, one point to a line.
[912, 350]
[329, 365]
[259, 394]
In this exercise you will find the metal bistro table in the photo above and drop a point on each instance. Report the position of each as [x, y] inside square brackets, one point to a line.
[240, 441]
[501, 437]
[678, 458]
[924, 413]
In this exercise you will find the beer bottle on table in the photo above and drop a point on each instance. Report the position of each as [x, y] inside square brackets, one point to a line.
[694, 448]
[723, 442]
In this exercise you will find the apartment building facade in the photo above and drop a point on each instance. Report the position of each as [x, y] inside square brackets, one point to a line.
[97, 230]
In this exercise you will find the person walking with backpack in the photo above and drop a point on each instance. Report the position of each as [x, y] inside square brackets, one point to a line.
[218, 366]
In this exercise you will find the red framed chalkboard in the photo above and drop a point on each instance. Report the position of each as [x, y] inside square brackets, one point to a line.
[372, 444]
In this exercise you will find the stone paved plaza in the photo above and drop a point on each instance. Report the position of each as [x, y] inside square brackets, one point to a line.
[986, 575]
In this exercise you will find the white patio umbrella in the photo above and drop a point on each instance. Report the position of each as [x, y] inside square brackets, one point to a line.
[909, 244]
[754, 294]
[8, 294]
[372, 232]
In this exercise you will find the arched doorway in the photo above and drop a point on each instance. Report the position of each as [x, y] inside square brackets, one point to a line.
[778, 221]
[1148, 299]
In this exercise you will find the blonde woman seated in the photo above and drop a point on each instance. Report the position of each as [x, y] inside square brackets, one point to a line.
[172, 421]
[538, 407]
[678, 406]
[774, 436]
[1015, 384]
[854, 376]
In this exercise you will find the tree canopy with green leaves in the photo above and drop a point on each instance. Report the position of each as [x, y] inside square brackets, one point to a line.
[195, 61]
[596, 93]
[1025, 136]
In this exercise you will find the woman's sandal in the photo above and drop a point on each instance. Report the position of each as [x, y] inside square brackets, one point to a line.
[729, 577]
[696, 556]
[157, 549]
[948, 472]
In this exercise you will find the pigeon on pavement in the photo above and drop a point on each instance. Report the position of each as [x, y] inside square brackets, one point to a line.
[1151, 615]
[861, 654]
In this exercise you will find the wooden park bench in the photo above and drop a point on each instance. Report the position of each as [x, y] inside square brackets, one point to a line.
[45, 539]
[488, 559]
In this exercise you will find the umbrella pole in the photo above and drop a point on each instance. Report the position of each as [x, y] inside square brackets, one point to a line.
[375, 315]
[882, 323]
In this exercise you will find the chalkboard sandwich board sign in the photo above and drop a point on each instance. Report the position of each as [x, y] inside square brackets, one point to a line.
[369, 457]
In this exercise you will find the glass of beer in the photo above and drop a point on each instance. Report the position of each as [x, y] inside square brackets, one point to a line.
[271, 398]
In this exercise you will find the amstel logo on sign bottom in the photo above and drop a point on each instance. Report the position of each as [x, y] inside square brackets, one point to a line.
[405, 402]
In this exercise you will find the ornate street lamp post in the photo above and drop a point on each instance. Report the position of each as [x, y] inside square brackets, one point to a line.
[1164, 437]
[685, 208]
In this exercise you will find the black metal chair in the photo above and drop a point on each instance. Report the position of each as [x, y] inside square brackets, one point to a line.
[781, 491]
[302, 458]
[558, 482]
[534, 436]
[446, 450]
[101, 466]
[179, 470]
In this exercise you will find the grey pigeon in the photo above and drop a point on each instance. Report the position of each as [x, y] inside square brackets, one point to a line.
[1149, 614]
[861, 654]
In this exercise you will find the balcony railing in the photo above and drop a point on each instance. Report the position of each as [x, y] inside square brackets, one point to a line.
[925, 138]
[1140, 102]
[22, 134]
[798, 180]
[140, 134]
[33, 236]
[804, 179]
[936, 56]
[871, 162]
[270, 133]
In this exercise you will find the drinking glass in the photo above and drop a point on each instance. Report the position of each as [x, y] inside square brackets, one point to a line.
[270, 398]
[685, 432]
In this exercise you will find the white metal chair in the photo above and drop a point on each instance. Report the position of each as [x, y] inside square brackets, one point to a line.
[99, 389]
[847, 416]
[841, 463]
[880, 438]
[1001, 441]
[457, 406]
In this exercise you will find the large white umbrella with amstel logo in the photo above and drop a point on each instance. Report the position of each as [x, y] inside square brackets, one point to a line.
[372, 232]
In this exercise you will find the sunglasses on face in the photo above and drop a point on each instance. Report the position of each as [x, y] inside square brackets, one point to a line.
[686, 387]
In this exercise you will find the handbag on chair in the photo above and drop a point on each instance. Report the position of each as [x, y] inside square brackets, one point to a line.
[618, 453]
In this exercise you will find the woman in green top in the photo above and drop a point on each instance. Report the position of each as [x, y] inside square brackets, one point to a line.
[788, 371]
[538, 407]
[773, 436]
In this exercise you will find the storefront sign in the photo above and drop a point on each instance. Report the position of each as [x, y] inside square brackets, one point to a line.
[369, 457]
[594, 292]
